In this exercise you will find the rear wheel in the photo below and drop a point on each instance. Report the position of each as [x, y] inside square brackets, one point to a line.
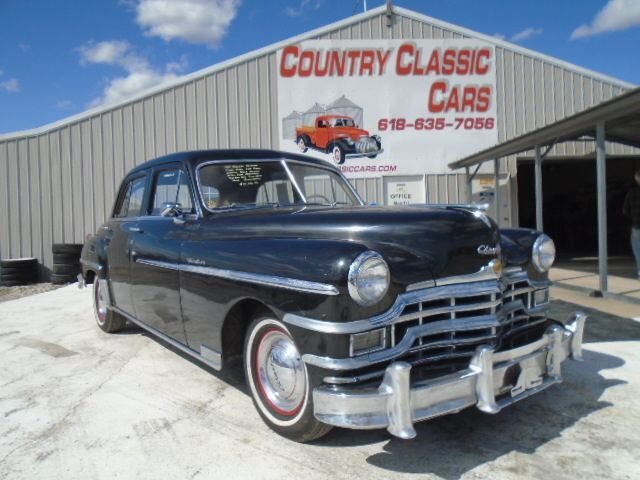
[279, 381]
[107, 319]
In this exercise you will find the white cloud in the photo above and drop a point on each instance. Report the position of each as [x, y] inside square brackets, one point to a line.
[301, 8]
[526, 34]
[11, 85]
[141, 75]
[121, 88]
[499, 36]
[64, 104]
[616, 15]
[195, 21]
[110, 52]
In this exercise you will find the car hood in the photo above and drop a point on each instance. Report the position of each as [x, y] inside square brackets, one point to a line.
[418, 243]
[353, 132]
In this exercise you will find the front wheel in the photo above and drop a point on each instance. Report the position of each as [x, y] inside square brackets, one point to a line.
[338, 155]
[279, 381]
[107, 319]
[302, 144]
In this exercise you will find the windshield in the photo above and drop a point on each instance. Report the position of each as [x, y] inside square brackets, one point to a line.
[344, 122]
[256, 184]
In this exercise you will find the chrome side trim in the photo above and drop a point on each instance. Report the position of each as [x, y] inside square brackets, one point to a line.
[213, 358]
[96, 266]
[487, 272]
[412, 334]
[323, 326]
[257, 278]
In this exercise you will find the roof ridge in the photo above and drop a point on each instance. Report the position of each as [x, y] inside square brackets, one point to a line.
[190, 77]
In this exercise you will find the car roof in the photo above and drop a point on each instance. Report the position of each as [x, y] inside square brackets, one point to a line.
[335, 116]
[195, 157]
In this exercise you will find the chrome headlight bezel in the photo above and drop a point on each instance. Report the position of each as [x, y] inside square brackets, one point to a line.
[368, 291]
[543, 253]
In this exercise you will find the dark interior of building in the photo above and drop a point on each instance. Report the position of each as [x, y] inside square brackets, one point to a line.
[570, 209]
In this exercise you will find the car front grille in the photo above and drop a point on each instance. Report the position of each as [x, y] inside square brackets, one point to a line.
[366, 146]
[452, 323]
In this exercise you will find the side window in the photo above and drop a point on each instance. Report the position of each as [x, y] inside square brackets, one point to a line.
[123, 202]
[136, 197]
[171, 186]
[130, 202]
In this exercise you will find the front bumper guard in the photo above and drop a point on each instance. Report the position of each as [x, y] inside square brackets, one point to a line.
[492, 381]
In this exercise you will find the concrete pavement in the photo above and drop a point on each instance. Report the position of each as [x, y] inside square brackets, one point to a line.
[78, 403]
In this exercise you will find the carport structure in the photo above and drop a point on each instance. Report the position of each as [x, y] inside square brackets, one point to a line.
[616, 120]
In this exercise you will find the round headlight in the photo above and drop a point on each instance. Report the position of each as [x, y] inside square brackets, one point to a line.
[544, 253]
[368, 278]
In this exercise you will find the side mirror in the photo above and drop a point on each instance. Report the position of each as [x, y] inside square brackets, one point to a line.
[173, 210]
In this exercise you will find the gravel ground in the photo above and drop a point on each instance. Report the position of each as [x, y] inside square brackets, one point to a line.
[11, 293]
[78, 403]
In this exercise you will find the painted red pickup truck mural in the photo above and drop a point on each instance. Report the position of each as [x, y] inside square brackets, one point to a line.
[339, 136]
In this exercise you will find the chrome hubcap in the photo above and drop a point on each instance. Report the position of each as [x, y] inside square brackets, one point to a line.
[281, 373]
[101, 303]
[301, 145]
[336, 155]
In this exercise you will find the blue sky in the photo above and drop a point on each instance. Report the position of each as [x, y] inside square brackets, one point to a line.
[58, 58]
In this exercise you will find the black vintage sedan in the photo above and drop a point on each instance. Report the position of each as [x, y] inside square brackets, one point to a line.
[344, 314]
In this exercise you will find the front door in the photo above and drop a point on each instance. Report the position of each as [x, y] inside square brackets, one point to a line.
[156, 253]
[118, 239]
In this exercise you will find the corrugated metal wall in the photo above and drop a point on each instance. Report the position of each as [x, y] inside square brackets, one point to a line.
[59, 185]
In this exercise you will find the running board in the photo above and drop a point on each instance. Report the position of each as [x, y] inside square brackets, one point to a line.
[207, 355]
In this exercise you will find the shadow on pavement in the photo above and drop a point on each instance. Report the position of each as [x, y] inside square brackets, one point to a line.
[617, 266]
[600, 326]
[452, 445]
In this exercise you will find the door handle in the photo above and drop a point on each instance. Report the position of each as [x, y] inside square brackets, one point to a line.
[136, 230]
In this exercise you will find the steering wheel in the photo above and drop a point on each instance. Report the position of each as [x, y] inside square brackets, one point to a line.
[317, 195]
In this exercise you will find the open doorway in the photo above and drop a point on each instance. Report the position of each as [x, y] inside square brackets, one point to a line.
[569, 189]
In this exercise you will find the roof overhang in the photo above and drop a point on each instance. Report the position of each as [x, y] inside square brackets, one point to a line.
[620, 115]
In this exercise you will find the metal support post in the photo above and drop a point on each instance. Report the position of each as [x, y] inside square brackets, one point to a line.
[496, 196]
[538, 177]
[468, 179]
[601, 169]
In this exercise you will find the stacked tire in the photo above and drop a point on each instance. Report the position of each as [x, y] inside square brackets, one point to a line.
[66, 263]
[18, 271]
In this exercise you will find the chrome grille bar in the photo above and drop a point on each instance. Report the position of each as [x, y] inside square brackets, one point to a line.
[505, 311]
[421, 314]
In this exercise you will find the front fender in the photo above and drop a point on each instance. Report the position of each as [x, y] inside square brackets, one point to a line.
[516, 245]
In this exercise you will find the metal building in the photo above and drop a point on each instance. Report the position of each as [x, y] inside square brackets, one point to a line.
[58, 182]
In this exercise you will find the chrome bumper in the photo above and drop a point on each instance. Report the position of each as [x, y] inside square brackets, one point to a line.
[488, 383]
